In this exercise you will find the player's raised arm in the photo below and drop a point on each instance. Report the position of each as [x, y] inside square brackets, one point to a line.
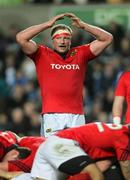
[24, 38]
[117, 109]
[103, 38]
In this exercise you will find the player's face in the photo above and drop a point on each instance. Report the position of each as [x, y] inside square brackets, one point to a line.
[62, 43]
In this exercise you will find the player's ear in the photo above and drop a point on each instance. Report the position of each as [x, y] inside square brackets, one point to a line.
[15, 154]
[23, 152]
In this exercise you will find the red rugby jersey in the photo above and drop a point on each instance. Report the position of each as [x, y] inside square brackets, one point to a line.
[100, 140]
[61, 80]
[123, 89]
[25, 164]
[7, 141]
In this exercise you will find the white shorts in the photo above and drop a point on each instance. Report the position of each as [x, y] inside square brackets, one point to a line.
[24, 176]
[53, 122]
[51, 154]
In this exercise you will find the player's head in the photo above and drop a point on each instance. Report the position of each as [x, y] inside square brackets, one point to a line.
[61, 35]
[17, 153]
[7, 141]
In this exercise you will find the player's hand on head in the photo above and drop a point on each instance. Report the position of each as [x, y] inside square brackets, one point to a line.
[77, 22]
[69, 15]
[53, 20]
[59, 17]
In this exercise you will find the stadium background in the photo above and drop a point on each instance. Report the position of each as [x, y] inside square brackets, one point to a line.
[20, 100]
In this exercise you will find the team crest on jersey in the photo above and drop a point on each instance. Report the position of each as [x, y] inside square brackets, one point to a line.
[73, 53]
[48, 130]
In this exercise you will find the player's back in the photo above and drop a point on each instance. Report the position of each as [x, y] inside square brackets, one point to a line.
[85, 134]
[95, 135]
[30, 141]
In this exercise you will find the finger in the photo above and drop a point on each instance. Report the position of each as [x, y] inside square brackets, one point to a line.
[74, 18]
[59, 16]
[62, 14]
[70, 15]
[59, 19]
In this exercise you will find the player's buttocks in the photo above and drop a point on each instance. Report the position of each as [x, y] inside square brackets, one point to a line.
[64, 147]
[67, 154]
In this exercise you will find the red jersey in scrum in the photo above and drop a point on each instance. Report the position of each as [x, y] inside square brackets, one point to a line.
[100, 140]
[123, 89]
[25, 164]
[61, 80]
[7, 141]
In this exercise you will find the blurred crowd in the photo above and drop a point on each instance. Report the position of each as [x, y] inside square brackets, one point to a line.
[20, 99]
[76, 2]
[64, 2]
[61, 2]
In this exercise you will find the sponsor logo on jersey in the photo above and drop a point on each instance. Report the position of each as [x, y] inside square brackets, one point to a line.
[65, 66]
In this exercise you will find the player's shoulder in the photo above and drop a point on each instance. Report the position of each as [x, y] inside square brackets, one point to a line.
[81, 46]
[125, 74]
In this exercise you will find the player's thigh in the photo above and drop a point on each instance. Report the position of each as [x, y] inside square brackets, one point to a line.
[48, 173]
[42, 167]
[52, 122]
[65, 155]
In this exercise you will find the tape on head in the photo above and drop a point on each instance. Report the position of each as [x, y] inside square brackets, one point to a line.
[61, 29]
[61, 32]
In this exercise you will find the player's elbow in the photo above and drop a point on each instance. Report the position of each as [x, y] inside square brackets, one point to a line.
[109, 38]
[19, 38]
